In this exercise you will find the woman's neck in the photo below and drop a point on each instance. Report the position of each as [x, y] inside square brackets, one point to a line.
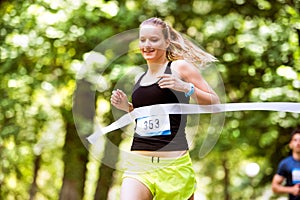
[157, 66]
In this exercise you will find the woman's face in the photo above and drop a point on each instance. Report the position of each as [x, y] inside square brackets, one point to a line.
[152, 43]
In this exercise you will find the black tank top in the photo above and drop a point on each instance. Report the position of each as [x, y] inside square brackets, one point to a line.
[152, 94]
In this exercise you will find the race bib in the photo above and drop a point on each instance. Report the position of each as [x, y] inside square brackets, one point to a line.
[153, 125]
[296, 175]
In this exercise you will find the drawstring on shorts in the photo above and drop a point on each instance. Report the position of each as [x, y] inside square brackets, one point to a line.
[157, 160]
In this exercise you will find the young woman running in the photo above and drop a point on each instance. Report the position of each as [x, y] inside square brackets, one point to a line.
[159, 142]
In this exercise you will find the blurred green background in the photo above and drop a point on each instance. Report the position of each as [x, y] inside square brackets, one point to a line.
[44, 44]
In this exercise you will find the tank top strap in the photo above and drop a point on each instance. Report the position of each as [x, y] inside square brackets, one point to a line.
[139, 80]
[168, 68]
[137, 84]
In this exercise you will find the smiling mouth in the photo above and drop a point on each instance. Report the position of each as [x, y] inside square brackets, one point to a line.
[148, 50]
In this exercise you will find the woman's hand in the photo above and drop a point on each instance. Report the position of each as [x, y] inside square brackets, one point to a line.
[120, 101]
[173, 82]
[184, 73]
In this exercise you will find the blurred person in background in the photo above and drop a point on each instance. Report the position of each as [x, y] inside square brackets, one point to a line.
[289, 170]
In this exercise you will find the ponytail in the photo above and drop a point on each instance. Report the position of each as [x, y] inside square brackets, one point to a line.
[180, 47]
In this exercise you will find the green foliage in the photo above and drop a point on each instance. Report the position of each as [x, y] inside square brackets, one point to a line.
[43, 45]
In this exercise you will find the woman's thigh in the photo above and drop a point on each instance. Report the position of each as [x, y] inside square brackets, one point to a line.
[132, 189]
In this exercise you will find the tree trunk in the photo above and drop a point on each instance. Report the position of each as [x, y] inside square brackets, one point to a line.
[75, 160]
[33, 188]
[226, 179]
[106, 172]
[75, 153]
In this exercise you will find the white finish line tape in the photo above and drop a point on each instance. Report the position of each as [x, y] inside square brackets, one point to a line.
[162, 109]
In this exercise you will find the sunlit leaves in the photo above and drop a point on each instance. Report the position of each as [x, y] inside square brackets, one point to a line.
[48, 44]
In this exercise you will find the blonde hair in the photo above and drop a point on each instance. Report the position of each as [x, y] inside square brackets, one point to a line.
[180, 47]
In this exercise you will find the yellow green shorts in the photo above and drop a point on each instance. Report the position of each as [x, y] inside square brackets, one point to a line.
[166, 178]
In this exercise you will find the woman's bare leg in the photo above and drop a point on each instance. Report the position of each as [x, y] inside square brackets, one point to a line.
[132, 189]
